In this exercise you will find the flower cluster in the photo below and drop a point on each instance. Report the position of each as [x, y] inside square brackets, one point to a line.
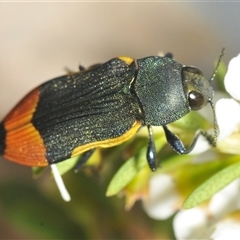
[219, 217]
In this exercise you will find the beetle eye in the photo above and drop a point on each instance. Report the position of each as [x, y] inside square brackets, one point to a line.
[196, 100]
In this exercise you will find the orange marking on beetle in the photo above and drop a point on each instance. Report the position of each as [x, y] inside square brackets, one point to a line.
[22, 113]
[24, 143]
[108, 142]
[127, 60]
[25, 146]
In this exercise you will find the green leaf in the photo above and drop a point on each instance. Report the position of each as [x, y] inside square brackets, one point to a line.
[212, 185]
[192, 122]
[63, 167]
[37, 171]
[130, 168]
[125, 174]
[174, 162]
[67, 165]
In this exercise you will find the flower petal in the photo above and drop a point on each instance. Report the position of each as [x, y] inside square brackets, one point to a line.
[191, 224]
[232, 78]
[228, 116]
[225, 201]
[226, 230]
[201, 146]
[163, 197]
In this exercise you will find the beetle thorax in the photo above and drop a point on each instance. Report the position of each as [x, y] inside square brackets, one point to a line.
[159, 87]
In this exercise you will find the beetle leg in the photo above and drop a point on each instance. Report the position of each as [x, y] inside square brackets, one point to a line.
[81, 68]
[169, 55]
[85, 156]
[151, 150]
[177, 145]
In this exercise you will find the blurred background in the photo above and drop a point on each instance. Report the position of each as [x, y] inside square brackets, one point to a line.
[38, 41]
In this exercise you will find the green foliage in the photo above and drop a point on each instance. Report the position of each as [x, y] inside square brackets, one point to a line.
[215, 183]
[130, 169]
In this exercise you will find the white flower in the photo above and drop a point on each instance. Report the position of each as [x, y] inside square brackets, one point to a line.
[228, 116]
[226, 230]
[163, 198]
[209, 222]
[228, 110]
[232, 78]
[191, 224]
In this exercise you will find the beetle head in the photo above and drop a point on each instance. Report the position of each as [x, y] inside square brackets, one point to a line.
[196, 87]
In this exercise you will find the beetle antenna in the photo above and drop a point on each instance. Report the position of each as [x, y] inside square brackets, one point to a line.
[214, 142]
[216, 69]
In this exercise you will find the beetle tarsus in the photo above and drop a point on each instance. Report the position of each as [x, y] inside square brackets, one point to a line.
[211, 139]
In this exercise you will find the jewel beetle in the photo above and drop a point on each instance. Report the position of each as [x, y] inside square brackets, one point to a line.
[104, 106]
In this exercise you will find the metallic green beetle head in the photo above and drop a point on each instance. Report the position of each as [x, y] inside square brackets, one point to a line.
[196, 87]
